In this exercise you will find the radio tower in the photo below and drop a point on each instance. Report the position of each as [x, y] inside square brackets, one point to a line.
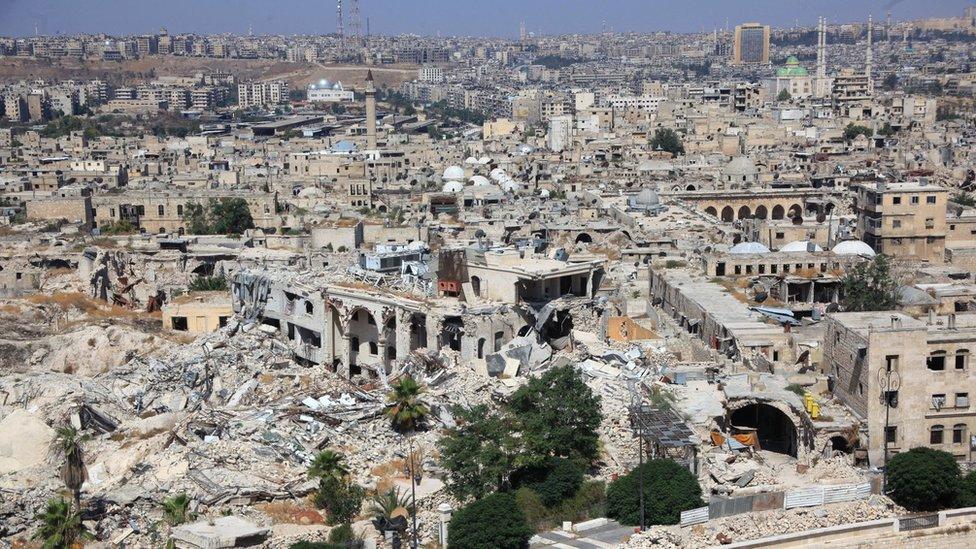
[355, 23]
[339, 25]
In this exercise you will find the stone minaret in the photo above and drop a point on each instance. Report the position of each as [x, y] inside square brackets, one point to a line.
[869, 58]
[370, 111]
[821, 84]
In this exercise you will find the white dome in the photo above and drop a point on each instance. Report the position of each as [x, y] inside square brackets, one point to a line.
[452, 187]
[310, 192]
[525, 149]
[853, 247]
[749, 248]
[647, 197]
[544, 193]
[454, 173]
[470, 160]
[510, 186]
[497, 174]
[741, 165]
[484, 160]
[480, 181]
[799, 246]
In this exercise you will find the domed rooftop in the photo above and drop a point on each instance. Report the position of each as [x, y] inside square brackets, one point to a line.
[509, 186]
[853, 247]
[791, 68]
[497, 174]
[470, 160]
[311, 192]
[800, 246]
[741, 165]
[749, 248]
[544, 193]
[452, 187]
[480, 181]
[454, 173]
[647, 197]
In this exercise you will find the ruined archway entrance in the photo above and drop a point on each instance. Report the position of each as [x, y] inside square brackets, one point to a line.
[728, 214]
[774, 429]
[584, 238]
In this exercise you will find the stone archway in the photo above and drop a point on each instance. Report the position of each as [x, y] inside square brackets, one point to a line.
[584, 238]
[761, 212]
[795, 211]
[728, 214]
[778, 212]
[774, 429]
[711, 211]
[744, 212]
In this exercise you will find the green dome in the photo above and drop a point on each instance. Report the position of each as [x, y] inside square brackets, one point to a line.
[792, 68]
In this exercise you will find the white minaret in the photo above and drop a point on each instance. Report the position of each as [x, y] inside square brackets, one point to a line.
[821, 84]
[869, 59]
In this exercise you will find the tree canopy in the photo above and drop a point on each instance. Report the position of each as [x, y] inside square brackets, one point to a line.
[923, 479]
[479, 453]
[558, 415]
[492, 522]
[667, 140]
[870, 286]
[784, 95]
[223, 216]
[669, 489]
[852, 130]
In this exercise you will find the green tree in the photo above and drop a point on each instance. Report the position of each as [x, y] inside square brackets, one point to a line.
[208, 284]
[492, 522]
[328, 464]
[230, 216]
[784, 95]
[886, 130]
[852, 130]
[60, 525]
[68, 443]
[923, 479]
[666, 139]
[176, 509]
[122, 226]
[558, 415]
[480, 453]
[669, 489]
[556, 480]
[967, 491]
[341, 499]
[406, 410]
[870, 286]
[342, 535]
[196, 219]
[964, 198]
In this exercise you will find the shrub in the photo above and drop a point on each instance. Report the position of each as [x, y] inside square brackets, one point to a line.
[967, 491]
[923, 479]
[492, 522]
[208, 284]
[588, 502]
[339, 498]
[669, 489]
[555, 480]
[536, 514]
[342, 534]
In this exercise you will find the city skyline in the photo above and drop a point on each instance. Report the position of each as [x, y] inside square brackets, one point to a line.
[440, 17]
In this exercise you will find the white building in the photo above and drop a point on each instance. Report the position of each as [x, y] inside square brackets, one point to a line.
[431, 74]
[261, 94]
[326, 92]
[560, 133]
[648, 103]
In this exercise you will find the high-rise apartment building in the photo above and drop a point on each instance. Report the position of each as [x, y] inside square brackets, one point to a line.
[751, 44]
[261, 94]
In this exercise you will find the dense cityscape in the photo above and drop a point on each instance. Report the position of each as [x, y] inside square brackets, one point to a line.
[363, 290]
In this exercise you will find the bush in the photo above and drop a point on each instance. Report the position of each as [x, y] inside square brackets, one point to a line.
[554, 481]
[589, 502]
[493, 522]
[923, 479]
[536, 514]
[967, 491]
[669, 489]
[342, 534]
[341, 500]
[208, 284]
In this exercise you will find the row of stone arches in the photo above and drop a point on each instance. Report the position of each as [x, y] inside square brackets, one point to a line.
[728, 214]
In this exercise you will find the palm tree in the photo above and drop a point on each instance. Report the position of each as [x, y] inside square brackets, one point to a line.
[175, 509]
[67, 443]
[328, 465]
[406, 410]
[61, 525]
[385, 503]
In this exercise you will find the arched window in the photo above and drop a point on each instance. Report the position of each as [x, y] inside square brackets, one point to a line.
[481, 348]
[309, 308]
[373, 349]
[936, 433]
[959, 433]
[354, 343]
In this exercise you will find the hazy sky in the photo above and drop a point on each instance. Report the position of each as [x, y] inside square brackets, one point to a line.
[467, 17]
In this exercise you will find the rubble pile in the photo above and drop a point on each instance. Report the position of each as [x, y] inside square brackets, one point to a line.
[752, 526]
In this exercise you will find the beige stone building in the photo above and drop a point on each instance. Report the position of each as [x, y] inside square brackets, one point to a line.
[934, 378]
[198, 312]
[903, 220]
